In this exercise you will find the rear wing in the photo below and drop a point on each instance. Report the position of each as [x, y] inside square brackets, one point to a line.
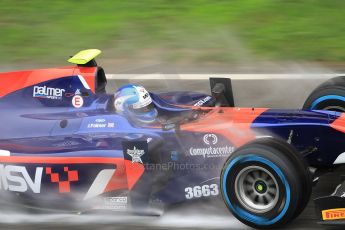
[85, 58]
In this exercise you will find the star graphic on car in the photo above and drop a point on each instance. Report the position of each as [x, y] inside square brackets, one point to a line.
[136, 154]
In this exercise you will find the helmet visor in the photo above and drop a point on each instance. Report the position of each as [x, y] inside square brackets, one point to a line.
[142, 110]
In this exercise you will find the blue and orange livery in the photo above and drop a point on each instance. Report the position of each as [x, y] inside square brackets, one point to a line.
[84, 156]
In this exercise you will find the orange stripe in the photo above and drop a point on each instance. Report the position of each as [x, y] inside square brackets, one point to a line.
[13, 81]
[59, 160]
[339, 123]
[232, 123]
[89, 75]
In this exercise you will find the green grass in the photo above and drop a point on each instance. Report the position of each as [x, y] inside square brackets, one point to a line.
[222, 31]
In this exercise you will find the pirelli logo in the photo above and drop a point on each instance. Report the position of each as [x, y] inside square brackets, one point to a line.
[333, 214]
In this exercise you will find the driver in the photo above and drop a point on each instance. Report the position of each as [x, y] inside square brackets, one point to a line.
[135, 102]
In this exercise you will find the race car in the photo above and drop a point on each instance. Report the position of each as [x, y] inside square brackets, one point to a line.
[64, 146]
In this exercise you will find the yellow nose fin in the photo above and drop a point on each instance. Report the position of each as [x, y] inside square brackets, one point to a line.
[84, 56]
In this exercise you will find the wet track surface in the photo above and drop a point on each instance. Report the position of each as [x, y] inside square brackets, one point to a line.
[196, 216]
[199, 215]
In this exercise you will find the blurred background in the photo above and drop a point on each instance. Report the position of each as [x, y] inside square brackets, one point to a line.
[177, 36]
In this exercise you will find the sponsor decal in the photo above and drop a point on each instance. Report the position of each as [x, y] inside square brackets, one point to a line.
[136, 154]
[77, 92]
[203, 101]
[114, 207]
[333, 214]
[115, 203]
[211, 151]
[116, 200]
[144, 98]
[64, 185]
[48, 92]
[210, 138]
[136, 150]
[17, 179]
[201, 191]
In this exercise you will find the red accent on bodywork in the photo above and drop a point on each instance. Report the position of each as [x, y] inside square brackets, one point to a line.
[134, 172]
[60, 160]
[118, 180]
[26, 148]
[232, 123]
[13, 81]
[64, 186]
[89, 74]
[339, 123]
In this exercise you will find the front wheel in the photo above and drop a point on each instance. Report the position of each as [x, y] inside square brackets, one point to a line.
[265, 184]
[328, 96]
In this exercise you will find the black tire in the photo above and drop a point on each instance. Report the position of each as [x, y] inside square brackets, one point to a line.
[303, 173]
[328, 96]
[272, 159]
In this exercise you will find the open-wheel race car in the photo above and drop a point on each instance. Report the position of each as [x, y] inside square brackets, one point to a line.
[65, 144]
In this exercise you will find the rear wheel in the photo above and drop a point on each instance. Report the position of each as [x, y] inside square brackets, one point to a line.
[328, 96]
[265, 184]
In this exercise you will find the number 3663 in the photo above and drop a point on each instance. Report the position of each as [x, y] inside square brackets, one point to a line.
[202, 191]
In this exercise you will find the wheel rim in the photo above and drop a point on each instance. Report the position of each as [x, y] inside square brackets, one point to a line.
[256, 189]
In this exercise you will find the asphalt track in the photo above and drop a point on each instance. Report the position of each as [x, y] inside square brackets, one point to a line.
[283, 93]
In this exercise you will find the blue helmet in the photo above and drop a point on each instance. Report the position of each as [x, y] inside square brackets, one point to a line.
[135, 101]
